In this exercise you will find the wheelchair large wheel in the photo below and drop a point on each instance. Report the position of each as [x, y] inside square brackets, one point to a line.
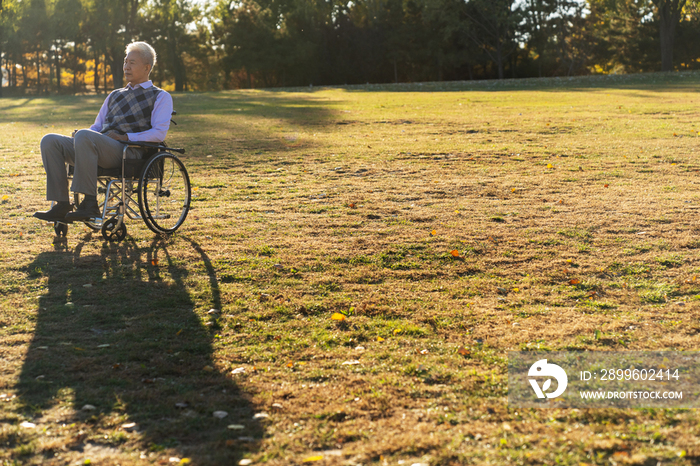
[164, 193]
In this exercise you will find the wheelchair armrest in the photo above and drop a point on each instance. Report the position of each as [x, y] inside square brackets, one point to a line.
[154, 145]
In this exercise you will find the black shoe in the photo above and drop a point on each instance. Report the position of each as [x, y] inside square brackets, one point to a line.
[57, 213]
[86, 210]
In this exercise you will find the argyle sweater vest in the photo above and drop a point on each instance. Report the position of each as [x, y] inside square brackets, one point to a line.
[129, 110]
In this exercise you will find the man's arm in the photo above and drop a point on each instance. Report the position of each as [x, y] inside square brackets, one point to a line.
[160, 121]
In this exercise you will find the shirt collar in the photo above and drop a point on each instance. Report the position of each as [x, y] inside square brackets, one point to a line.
[144, 85]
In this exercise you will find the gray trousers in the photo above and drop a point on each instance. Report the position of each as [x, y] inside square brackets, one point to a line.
[86, 151]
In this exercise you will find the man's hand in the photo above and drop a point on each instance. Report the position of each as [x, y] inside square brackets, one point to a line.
[118, 137]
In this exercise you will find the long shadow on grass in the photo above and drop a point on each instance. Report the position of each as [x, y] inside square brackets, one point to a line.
[655, 81]
[51, 109]
[117, 331]
[238, 122]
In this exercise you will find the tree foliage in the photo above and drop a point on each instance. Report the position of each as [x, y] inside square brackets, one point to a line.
[78, 45]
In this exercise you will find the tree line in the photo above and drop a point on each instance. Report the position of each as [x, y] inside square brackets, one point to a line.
[75, 46]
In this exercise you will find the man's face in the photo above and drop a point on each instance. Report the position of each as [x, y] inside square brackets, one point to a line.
[136, 69]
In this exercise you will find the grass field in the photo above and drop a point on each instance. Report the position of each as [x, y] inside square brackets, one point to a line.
[448, 222]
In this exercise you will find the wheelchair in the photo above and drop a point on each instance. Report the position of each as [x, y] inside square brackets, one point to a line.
[154, 188]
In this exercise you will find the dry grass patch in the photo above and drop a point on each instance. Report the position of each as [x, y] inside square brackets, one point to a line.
[537, 214]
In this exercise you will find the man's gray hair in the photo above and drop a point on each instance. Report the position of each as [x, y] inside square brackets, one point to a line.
[145, 50]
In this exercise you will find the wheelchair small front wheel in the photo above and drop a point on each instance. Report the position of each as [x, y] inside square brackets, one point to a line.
[111, 233]
[164, 193]
[61, 229]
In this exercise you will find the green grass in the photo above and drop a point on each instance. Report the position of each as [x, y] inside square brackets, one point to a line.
[571, 205]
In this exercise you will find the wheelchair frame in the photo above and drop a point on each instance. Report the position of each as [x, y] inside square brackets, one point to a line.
[145, 174]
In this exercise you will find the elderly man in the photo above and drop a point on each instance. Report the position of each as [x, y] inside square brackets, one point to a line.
[138, 112]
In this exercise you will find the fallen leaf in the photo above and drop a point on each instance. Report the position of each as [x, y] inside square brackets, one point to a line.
[208, 369]
[261, 416]
[463, 351]
[154, 261]
[338, 316]
[238, 370]
[220, 414]
[380, 339]
[311, 459]
[574, 281]
[351, 363]
[352, 206]
[397, 331]
[606, 185]
[236, 427]
[433, 233]
[455, 253]
[28, 425]
[424, 351]
[549, 165]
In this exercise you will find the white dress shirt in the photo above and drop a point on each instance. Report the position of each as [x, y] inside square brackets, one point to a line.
[160, 117]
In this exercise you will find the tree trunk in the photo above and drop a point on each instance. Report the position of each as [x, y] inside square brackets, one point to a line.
[499, 58]
[6, 61]
[666, 34]
[38, 72]
[8, 71]
[58, 70]
[96, 78]
[117, 73]
[178, 71]
[669, 12]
